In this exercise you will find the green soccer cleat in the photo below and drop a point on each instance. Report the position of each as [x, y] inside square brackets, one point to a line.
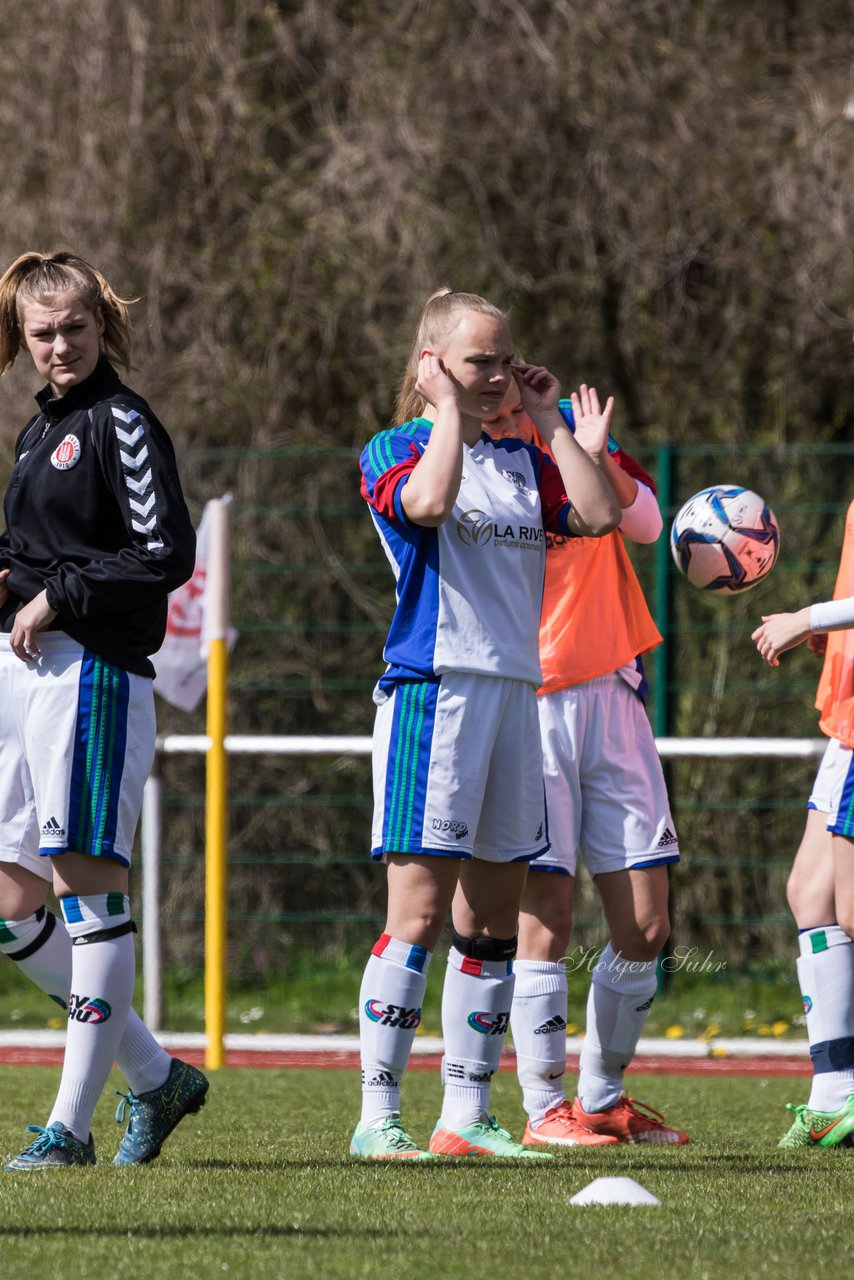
[55, 1148]
[820, 1128]
[387, 1140]
[483, 1138]
[155, 1114]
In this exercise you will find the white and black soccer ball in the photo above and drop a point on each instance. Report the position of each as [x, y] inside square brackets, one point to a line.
[725, 539]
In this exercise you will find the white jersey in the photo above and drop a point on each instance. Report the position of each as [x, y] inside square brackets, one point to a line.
[469, 592]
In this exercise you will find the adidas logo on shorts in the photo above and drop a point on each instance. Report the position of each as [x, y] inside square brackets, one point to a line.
[668, 838]
[52, 828]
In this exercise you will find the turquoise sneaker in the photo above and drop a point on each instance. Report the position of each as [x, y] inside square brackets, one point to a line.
[483, 1138]
[820, 1128]
[155, 1114]
[56, 1147]
[386, 1141]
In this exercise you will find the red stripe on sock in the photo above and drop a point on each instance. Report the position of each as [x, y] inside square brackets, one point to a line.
[381, 943]
[470, 965]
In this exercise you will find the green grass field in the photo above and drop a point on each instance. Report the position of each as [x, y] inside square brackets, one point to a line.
[259, 1184]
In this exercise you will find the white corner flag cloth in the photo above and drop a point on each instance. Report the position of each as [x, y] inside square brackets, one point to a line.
[181, 661]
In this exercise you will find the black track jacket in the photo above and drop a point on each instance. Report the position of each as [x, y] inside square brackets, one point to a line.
[95, 515]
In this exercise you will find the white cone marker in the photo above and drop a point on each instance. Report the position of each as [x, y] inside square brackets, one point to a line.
[614, 1191]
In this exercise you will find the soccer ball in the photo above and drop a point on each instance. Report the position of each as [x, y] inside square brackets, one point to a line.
[725, 539]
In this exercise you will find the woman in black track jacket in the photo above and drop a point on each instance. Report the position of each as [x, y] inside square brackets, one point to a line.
[97, 535]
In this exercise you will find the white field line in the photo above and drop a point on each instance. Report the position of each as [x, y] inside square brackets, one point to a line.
[753, 1047]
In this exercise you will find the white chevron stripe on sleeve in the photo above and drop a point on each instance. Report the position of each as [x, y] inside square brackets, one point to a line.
[142, 508]
[134, 460]
[139, 479]
[130, 437]
[139, 486]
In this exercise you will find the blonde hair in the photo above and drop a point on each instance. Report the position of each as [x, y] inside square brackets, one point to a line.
[441, 315]
[35, 276]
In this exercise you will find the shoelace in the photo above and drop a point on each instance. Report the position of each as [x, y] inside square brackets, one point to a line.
[49, 1138]
[397, 1134]
[563, 1115]
[492, 1123]
[127, 1100]
[645, 1112]
[805, 1114]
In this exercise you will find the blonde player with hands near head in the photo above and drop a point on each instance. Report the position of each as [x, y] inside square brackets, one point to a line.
[820, 889]
[458, 796]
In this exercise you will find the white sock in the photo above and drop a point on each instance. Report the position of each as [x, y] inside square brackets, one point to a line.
[476, 1004]
[41, 947]
[538, 1024]
[826, 977]
[143, 1062]
[617, 1007]
[390, 999]
[102, 975]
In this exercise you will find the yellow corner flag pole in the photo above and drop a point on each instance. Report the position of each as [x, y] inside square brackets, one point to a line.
[216, 796]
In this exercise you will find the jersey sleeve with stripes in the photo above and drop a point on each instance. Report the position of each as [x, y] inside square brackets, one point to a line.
[155, 553]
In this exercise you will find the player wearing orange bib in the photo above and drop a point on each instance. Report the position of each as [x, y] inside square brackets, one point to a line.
[820, 890]
[607, 799]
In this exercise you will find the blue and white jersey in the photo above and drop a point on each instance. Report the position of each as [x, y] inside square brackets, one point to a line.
[469, 592]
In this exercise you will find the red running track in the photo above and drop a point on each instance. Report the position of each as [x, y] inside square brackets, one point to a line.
[347, 1061]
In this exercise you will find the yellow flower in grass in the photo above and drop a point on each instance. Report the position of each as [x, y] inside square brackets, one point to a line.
[675, 1032]
[56, 1024]
[710, 1032]
[572, 1028]
[717, 1052]
[764, 1029]
[780, 1027]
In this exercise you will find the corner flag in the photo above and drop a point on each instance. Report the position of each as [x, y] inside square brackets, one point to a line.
[181, 662]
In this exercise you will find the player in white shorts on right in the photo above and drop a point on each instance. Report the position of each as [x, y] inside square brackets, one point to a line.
[820, 889]
[607, 800]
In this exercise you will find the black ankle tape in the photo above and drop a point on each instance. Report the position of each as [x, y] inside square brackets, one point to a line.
[482, 948]
[104, 935]
[32, 947]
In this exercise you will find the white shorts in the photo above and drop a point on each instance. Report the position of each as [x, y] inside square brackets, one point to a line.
[458, 770]
[604, 783]
[833, 790]
[76, 745]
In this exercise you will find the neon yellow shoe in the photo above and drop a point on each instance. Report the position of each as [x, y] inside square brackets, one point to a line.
[820, 1128]
[483, 1138]
[387, 1140]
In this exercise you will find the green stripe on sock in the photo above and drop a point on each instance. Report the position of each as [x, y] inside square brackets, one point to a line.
[818, 941]
[6, 934]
